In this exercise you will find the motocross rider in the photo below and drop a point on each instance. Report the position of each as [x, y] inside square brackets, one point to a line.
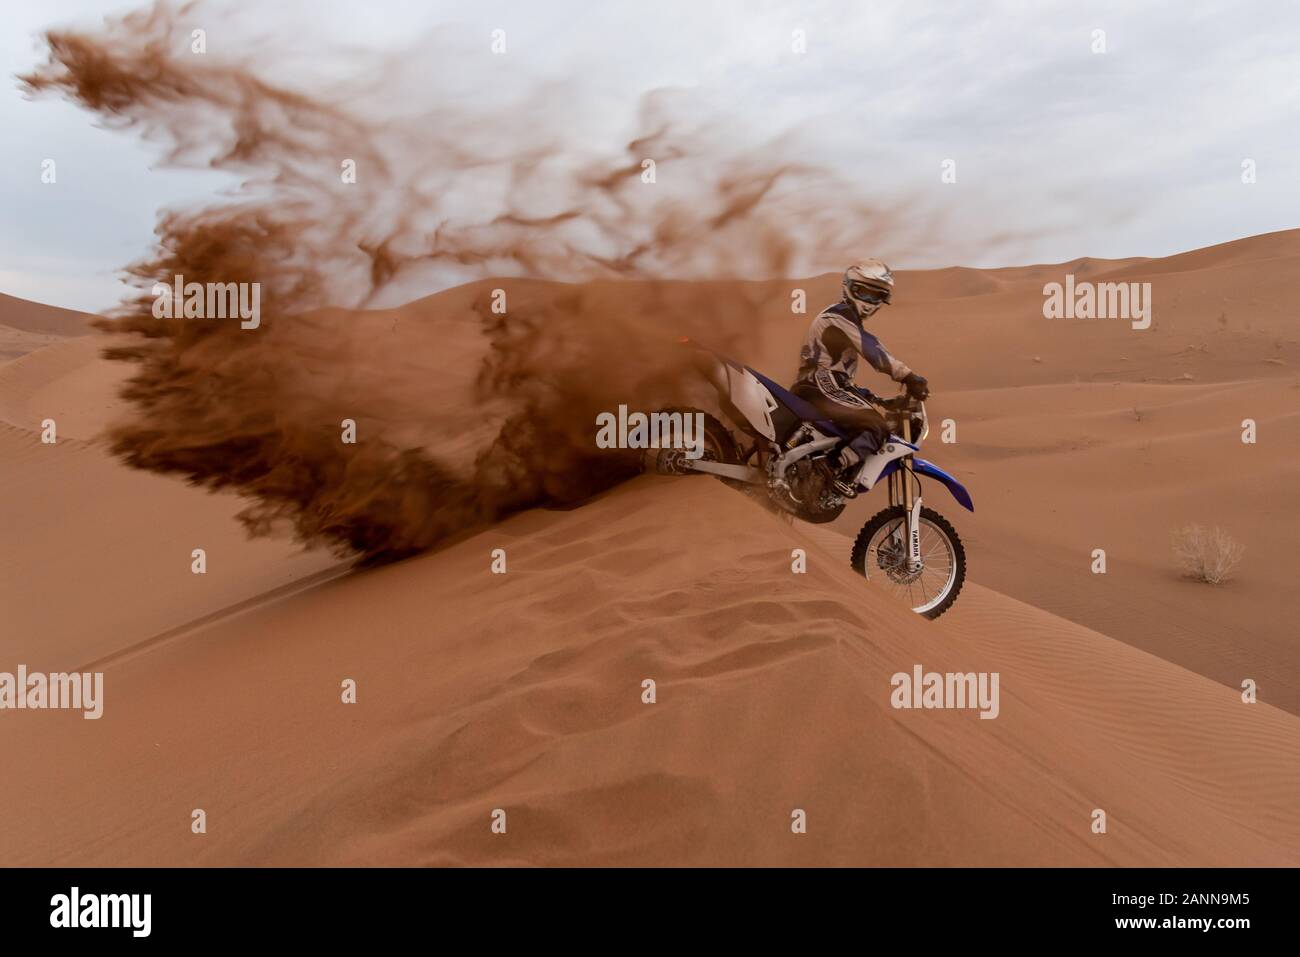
[829, 361]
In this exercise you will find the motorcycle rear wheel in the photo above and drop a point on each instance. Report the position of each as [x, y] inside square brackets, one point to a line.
[719, 446]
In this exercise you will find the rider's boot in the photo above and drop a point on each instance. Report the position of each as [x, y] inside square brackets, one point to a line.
[840, 463]
[846, 459]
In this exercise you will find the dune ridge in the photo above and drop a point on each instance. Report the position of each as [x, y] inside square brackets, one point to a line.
[523, 692]
[42, 318]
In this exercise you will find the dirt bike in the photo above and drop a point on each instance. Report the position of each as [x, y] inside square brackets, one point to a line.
[786, 449]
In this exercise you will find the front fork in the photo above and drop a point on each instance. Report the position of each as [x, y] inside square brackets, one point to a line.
[902, 491]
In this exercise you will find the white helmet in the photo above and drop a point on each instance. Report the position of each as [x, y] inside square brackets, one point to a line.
[868, 285]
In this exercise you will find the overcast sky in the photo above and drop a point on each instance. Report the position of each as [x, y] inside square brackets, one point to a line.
[1135, 151]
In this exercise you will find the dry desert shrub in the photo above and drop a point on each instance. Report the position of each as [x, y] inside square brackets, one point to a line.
[1206, 554]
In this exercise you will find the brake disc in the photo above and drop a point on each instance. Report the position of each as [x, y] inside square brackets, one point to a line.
[893, 562]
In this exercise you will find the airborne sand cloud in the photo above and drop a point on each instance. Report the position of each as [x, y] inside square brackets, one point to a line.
[464, 415]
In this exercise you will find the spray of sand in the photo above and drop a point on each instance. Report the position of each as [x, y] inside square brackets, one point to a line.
[463, 414]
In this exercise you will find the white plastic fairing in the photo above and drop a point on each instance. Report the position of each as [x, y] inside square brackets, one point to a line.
[873, 465]
[752, 400]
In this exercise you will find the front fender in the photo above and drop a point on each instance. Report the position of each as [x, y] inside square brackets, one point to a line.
[958, 490]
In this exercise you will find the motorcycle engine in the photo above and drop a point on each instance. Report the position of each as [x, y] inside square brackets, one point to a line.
[808, 494]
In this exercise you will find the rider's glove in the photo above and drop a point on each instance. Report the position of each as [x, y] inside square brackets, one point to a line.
[917, 387]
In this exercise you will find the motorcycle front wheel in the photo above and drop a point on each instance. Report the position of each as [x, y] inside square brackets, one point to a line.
[880, 556]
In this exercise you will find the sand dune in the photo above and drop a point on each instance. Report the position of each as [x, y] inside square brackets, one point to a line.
[105, 558]
[37, 317]
[523, 692]
[1058, 471]
[19, 342]
[1113, 438]
[1230, 318]
[99, 554]
[65, 381]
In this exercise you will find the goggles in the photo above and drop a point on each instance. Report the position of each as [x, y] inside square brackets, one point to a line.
[872, 295]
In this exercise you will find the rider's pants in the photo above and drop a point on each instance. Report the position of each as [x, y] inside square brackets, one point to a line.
[851, 413]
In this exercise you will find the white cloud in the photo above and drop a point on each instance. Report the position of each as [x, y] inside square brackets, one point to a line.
[1133, 152]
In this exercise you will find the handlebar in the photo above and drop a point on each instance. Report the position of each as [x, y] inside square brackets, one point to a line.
[903, 402]
[906, 416]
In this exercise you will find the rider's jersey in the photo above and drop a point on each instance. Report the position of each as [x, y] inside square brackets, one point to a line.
[829, 358]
